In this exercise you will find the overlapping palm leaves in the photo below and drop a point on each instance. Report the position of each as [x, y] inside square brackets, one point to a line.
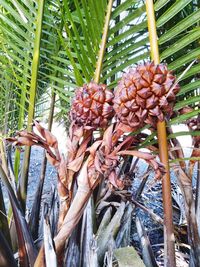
[128, 43]
[69, 48]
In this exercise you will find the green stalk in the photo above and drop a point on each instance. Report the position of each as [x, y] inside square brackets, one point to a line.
[32, 98]
[163, 151]
[117, 19]
[16, 167]
[20, 125]
[103, 43]
[21, 120]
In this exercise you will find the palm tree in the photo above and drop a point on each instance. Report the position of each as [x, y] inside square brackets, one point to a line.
[70, 45]
[69, 53]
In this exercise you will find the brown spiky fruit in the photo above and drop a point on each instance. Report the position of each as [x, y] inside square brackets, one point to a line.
[145, 94]
[92, 105]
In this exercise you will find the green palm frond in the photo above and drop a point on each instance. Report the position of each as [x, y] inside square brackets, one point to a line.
[16, 37]
[81, 35]
[128, 43]
[71, 37]
[179, 34]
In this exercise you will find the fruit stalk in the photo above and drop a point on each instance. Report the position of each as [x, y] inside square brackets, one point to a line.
[103, 43]
[163, 151]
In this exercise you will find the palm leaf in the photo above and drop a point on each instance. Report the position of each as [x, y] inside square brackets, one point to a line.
[27, 250]
[15, 38]
[127, 44]
[6, 255]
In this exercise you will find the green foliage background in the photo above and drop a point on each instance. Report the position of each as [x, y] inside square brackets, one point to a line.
[70, 43]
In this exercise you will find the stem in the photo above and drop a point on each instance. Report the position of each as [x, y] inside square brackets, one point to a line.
[33, 89]
[6, 254]
[103, 43]
[197, 198]
[20, 125]
[163, 151]
[3, 157]
[35, 211]
[4, 227]
[27, 251]
[117, 19]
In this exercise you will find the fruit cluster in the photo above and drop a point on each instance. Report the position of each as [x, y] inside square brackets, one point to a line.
[146, 94]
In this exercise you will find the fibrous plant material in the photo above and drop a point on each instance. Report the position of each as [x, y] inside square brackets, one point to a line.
[147, 252]
[193, 125]
[145, 94]
[184, 176]
[87, 165]
[66, 167]
[6, 254]
[92, 105]
[26, 246]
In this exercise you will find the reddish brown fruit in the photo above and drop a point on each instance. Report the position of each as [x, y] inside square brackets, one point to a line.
[145, 94]
[92, 105]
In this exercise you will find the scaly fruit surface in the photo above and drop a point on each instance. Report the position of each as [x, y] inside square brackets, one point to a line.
[146, 94]
[92, 105]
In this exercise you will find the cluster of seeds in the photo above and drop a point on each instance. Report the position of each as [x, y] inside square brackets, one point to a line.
[92, 105]
[146, 94]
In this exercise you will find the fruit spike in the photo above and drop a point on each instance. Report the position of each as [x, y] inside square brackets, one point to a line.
[146, 94]
[92, 105]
